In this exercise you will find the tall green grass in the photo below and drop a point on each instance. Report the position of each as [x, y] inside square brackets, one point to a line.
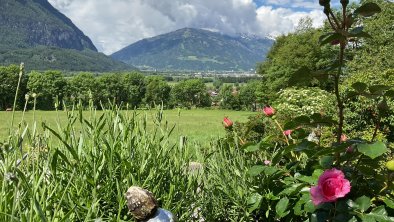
[69, 173]
[78, 166]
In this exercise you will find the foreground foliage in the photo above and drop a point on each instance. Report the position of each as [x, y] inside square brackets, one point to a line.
[75, 175]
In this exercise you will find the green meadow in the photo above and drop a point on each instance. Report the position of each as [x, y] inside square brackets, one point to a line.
[198, 125]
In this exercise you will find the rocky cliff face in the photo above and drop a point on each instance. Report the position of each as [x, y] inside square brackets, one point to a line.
[27, 23]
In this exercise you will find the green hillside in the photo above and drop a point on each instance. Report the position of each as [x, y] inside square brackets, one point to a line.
[34, 32]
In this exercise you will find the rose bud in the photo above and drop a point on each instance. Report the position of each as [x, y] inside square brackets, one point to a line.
[268, 111]
[227, 122]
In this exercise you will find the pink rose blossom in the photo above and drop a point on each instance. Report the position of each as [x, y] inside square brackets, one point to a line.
[287, 132]
[331, 186]
[267, 162]
[269, 111]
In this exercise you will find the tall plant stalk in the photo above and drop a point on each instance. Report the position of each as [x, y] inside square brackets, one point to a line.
[16, 93]
[338, 28]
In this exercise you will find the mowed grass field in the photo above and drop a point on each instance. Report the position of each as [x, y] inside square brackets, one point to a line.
[198, 125]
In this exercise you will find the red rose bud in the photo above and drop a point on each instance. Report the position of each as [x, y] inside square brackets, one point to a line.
[349, 149]
[227, 122]
[269, 111]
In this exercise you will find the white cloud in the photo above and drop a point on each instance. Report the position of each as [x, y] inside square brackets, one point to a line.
[113, 25]
[305, 4]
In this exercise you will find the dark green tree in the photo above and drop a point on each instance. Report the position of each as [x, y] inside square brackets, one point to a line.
[83, 87]
[157, 91]
[229, 98]
[134, 87]
[374, 56]
[289, 53]
[9, 76]
[49, 86]
[248, 95]
[191, 93]
[111, 89]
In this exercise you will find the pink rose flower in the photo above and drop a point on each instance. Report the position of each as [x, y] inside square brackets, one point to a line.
[269, 111]
[331, 186]
[287, 132]
[267, 162]
[227, 122]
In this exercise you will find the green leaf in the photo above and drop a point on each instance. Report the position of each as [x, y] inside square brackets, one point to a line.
[256, 170]
[326, 161]
[358, 32]
[352, 94]
[368, 9]
[305, 145]
[252, 147]
[293, 188]
[372, 150]
[389, 203]
[254, 202]
[363, 203]
[360, 35]
[359, 86]
[390, 93]
[302, 76]
[378, 214]
[350, 19]
[378, 89]
[342, 207]
[39, 210]
[299, 120]
[379, 210]
[270, 170]
[383, 107]
[281, 207]
[303, 201]
[69, 148]
[331, 37]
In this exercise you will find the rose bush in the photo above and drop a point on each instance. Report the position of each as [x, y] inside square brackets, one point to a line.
[305, 178]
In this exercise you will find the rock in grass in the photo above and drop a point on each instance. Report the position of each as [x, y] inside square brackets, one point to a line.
[141, 203]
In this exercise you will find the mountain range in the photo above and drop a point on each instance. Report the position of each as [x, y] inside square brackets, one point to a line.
[196, 49]
[34, 32]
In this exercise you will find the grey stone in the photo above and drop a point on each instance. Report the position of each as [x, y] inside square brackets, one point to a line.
[162, 216]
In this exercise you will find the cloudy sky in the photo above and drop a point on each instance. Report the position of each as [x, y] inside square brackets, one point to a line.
[114, 24]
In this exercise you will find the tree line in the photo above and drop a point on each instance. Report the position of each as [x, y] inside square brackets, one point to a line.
[134, 90]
